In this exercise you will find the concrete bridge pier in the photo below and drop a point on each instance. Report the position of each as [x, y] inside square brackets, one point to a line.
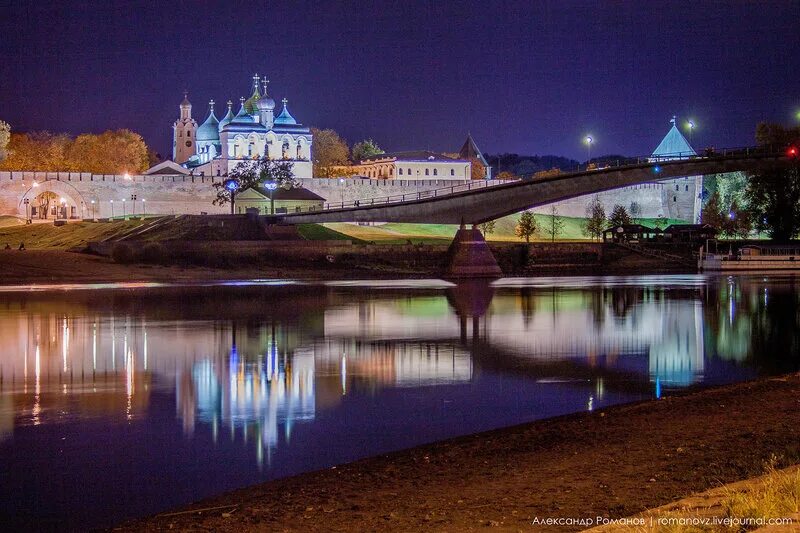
[470, 257]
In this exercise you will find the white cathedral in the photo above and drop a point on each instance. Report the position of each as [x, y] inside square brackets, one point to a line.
[217, 146]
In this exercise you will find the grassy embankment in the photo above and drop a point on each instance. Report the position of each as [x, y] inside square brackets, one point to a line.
[76, 234]
[572, 230]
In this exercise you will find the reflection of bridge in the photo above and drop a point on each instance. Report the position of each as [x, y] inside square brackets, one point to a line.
[478, 204]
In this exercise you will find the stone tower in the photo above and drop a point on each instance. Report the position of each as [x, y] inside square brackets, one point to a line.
[183, 133]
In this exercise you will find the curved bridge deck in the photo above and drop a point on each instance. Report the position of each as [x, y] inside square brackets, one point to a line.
[475, 204]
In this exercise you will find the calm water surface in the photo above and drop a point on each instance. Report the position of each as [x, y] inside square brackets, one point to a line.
[119, 401]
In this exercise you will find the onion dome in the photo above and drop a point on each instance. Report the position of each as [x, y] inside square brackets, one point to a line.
[186, 103]
[251, 104]
[228, 117]
[242, 117]
[266, 103]
[209, 130]
[285, 117]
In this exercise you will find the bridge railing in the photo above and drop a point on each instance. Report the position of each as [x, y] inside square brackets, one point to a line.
[597, 164]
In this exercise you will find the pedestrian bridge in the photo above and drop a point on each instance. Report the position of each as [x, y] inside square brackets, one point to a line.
[476, 202]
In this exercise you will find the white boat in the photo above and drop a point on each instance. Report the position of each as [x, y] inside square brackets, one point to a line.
[752, 258]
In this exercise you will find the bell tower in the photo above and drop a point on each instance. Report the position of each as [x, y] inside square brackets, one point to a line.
[183, 133]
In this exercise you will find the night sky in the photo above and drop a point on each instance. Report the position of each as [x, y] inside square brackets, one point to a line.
[525, 77]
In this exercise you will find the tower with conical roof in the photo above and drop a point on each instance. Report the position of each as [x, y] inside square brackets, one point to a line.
[471, 152]
[183, 133]
[681, 197]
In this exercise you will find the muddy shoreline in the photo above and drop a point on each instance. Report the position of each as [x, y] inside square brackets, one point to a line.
[59, 266]
[616, 462]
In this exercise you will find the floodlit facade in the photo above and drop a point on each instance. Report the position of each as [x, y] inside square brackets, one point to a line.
[217, 146]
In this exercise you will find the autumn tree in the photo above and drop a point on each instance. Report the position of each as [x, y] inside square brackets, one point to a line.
[506, 175]
[619, 216]
[364, 149]
[5, 137]
[712, 213]
[330, 151]
[595, 219]
[556, 225]
[526, 227]
[38, 151]
[111, 152]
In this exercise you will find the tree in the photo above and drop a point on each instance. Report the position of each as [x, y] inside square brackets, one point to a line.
[526, 227]
[487, 227]
[556, 226]
[364, 149]
[111, 152]
[5, 137]
[506, 175]
[248, 174]
[619, 216]
[712, 213]
[773, 195]
[330, 151]
[737, 223]
[635, 210]
[595, 219]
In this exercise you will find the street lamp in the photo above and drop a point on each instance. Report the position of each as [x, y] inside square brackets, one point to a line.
[144, 209]
[588, 140]
[64, 207]
[271, 186]
[690, 125]
[133, 209]
[94, 215]
[341, 190]
[27, 202]
[124, 212]
[112, 208]
[231, 185]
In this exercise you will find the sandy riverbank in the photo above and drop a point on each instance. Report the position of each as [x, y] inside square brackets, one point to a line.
[617, 462]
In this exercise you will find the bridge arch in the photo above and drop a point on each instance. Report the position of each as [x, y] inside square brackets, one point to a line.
[75, 203]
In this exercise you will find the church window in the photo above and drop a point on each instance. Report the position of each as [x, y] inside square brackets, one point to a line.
[400, 171]
[687, 188]
[452, 172]
[674, 198]
[180, 133]
[299, 151]
[435, 172]
[188, 143]
[426, 171]
[285, 150]
[409, 171]
[676, 187]
[188, 133]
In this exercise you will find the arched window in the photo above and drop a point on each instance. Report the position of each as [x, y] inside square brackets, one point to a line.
[285, 150]
[452, 172]
[400, 171]
[299, 151]
[409, 171]
[188, 133]
[426, 171]
[435, 172]
[687, 188]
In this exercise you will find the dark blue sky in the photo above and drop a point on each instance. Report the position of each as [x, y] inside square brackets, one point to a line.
[526, 77]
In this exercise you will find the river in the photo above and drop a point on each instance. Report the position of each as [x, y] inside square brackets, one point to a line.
[123, 400]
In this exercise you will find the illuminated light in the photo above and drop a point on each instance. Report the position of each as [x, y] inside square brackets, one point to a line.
[588, 139]
[792, 151]
[63, 200]
[231, 184]
[127, 176]
[731, 215]
[690, 124]
[271, 185]
[657, 169]
[35, 183]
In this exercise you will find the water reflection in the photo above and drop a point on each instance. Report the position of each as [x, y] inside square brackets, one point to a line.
[253, 365]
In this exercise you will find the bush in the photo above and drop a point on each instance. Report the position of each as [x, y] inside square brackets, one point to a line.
[123, 253]
[153, 253]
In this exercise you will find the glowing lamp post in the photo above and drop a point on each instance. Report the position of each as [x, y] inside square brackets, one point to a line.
[112, 208]
[690, 125]
[271, 186]
[94, 213]
[341, 189]
[64, 207]
[27, 202]
[144, 208]
[124, 212]
[231, 185]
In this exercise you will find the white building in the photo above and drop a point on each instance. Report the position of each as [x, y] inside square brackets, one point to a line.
[217, 146]
[418, 165]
